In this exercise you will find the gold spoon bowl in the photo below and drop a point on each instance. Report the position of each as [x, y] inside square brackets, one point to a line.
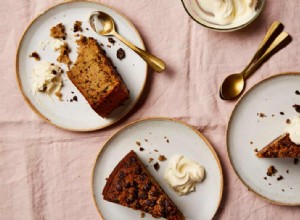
[233, 85]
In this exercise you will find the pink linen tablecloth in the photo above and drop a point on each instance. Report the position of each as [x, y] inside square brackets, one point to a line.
[45, 172]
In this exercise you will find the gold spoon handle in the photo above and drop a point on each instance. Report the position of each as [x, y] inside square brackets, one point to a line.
[154, 62]
[273, 31]
[273, 47]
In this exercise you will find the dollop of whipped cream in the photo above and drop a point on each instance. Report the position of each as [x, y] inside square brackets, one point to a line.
[224, 12]
[47, 78]
[182, 174]
[293, 128]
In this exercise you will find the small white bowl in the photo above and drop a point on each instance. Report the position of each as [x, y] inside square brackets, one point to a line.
[192, 8]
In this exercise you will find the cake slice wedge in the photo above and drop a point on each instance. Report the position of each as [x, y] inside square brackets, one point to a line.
[281, 147]
[96, 78]
[130, 184]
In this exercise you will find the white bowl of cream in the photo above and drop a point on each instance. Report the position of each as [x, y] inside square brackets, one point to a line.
[223, 15]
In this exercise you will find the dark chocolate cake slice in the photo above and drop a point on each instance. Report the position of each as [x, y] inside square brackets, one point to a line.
[131, 185]
[281, 147]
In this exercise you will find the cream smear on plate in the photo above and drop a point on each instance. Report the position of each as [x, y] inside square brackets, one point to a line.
[47, 78]
[293, 128]
[225, 12]
[182, 174]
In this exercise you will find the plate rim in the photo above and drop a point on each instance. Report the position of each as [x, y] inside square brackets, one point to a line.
[201, 136]
[291, 73]
[31, 105]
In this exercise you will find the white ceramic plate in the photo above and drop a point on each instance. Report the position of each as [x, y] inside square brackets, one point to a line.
[271, 96]
[79, 115]
[155, 134]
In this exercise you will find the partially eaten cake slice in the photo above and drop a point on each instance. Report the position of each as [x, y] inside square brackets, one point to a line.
[286, 145]
[130, 184]
[96, 78]
[281, 147]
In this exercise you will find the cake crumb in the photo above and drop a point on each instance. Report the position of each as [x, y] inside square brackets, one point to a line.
[297, 92]
[150, 160]
[162, 158]
[58, 31]
[138, 143]
[155, 150]
[282, 190]
[271, 171]
[35, 55]
[143, 215]
[287, 171]
[251, 142]
[270, 184]
[280, 178]
[273, 115]
[146, 140]
[59, 95]
[75, 98]
[63, 57]
[288, 121]
[255, 150]
[265, 178]
[142, 149]
[262, 115]
[121, 54]
[156, 166]
[297, 108]
[295, 161]
[111, 40]
[77, 26]
[282, 113]
[108, 46]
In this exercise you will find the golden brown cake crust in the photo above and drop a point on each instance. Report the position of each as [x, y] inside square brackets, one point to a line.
[96, 78]
[281, 147]
[131, 185]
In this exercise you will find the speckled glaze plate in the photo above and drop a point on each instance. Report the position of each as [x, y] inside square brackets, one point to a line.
[161, 136]
[77, 116]
[248, 130]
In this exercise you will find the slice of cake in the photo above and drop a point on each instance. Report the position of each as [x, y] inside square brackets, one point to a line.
[131, 185]
[96, 78]
[281, 147]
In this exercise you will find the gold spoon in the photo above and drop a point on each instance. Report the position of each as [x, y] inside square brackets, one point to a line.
[109, 29]
[234, 84]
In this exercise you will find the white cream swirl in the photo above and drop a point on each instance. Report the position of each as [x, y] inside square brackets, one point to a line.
[224, 12]
[293, 128]
[182, 174]
[47, 78]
